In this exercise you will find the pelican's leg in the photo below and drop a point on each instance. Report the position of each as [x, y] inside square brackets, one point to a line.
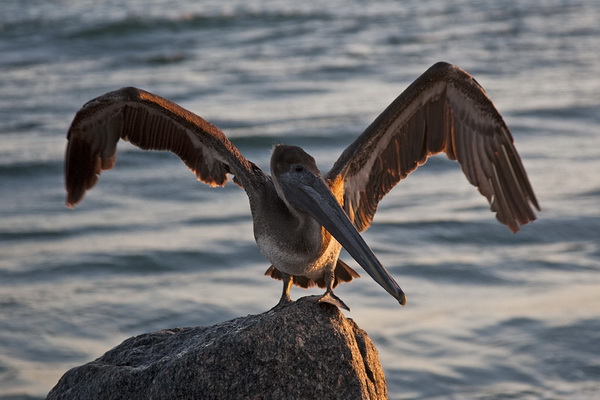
[287, 286]
[329, 296]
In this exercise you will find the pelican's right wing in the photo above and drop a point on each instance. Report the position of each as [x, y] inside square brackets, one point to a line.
[444, 110]
[151, 123]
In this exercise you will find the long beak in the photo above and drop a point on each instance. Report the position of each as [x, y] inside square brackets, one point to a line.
[314, 198]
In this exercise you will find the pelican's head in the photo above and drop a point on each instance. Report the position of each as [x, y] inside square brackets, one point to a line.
[294, 166]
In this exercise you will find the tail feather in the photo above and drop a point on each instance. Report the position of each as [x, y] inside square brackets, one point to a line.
[343, 273]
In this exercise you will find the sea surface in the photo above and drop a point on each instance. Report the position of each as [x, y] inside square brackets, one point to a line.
[491, 315]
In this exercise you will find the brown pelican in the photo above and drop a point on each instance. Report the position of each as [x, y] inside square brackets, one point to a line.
[302, 218]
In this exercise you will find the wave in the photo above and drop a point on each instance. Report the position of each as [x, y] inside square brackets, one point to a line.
[237, 19]
[36, 169]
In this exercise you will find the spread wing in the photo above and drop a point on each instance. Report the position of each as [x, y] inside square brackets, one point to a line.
[151, 123]
[444, 110]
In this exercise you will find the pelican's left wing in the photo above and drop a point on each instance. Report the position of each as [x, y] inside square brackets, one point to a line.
[151, 123]
[444, 110]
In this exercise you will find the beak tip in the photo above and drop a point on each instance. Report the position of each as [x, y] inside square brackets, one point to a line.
[402, 300]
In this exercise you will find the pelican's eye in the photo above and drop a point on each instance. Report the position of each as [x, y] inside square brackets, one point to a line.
[298, 168]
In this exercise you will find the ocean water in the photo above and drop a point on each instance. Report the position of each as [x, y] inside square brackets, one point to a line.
[491, 315]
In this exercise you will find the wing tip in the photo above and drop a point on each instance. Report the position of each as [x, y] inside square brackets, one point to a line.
[75, 193]
[515, 224]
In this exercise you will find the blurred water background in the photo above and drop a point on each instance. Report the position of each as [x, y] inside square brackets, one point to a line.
[491, 315]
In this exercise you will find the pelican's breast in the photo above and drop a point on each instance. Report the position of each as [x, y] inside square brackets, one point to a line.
[307, 256]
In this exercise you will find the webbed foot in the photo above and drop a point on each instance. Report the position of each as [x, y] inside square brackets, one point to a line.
[329, 298]
[284, 301]
[285, 294]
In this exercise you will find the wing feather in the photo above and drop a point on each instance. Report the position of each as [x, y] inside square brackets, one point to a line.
[151, 123]
[444, 110]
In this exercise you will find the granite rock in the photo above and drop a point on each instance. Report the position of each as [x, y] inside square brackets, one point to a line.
[303, 350]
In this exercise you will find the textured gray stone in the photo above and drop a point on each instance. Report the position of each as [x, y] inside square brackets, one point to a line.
[301, 351]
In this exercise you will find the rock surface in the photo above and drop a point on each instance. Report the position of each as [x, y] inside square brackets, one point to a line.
[302, 351]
